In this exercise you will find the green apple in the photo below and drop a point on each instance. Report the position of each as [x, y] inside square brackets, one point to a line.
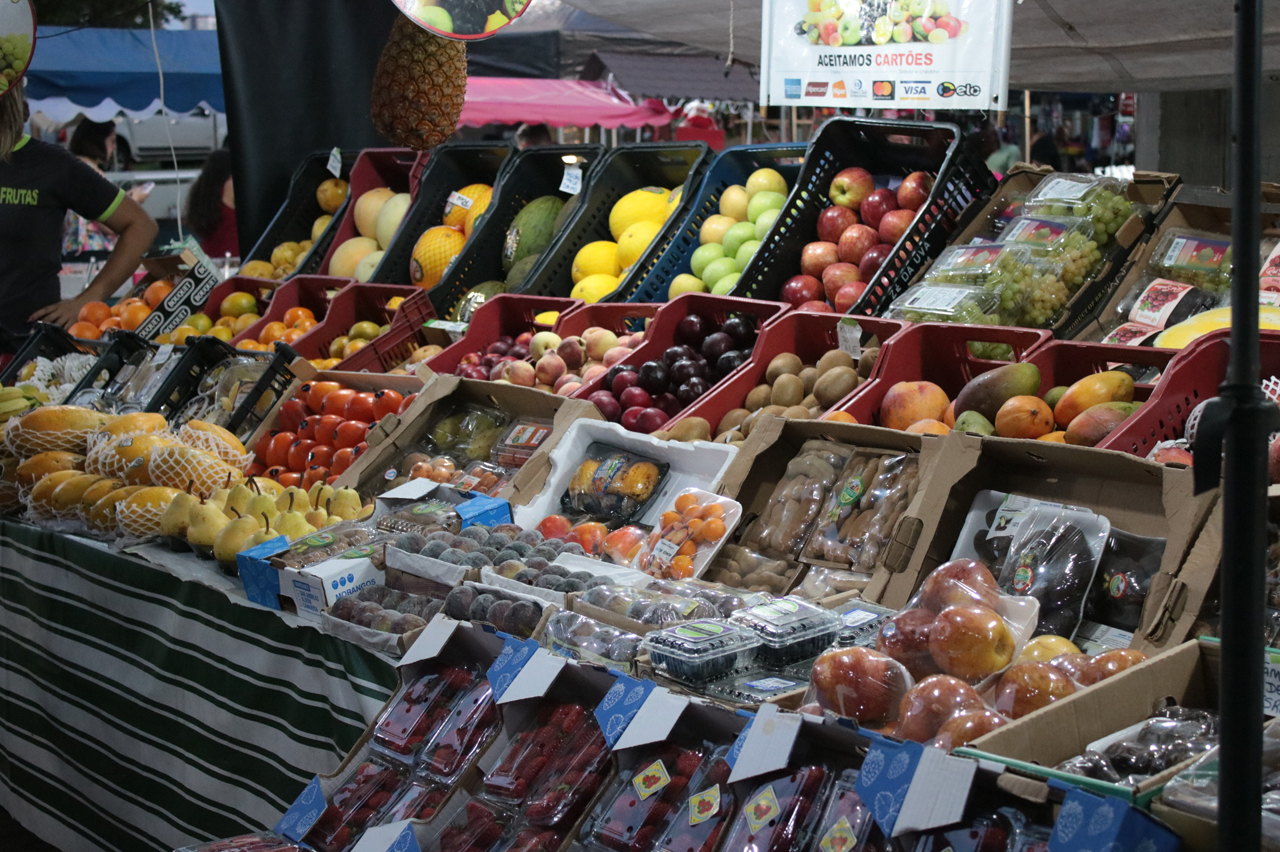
[718, 269]
[725, 285]
[765, 222]
[762, 201]
[745, 251]
[850, 30]
[766, 179]
[703, 255]
[685, 283]
[736, 236]
[433, 16]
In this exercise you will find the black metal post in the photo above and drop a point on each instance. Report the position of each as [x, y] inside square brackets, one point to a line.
[1245, 470]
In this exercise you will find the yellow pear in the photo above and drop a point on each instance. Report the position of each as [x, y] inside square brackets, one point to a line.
[175, 519]
[204, 522]
[317, 518]
[345, 504]
[293, 498]
[262, 535]
[219, 498]
[233, 538]
[262, 506]
[319, 494]
[237, 500]
[293, 525]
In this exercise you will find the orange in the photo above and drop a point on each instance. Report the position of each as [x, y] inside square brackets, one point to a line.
[693, 512]
[684, 501]
[118, 309]
[251, 346]
[687, 549]
[94, 312]
[712, 531]
[435, 249]
[156, 291]
[839, 417]
[292, 316]
[222, 333]
[693, 527]
[85, 330]
[292, 334]
[271, 332]
[109, 322]
[134, 315]
[305, 324]
[243, 322]
[669, 518]
[712, 510]
[180, 334]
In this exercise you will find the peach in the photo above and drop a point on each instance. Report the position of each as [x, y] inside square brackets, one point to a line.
[568, 389]
[591, 371]
[554, 526]
[839, 417]
[549, 369]
[908, 402]
[615, 355]
[1024, 417]
[599, 341]
[519, 373]
[928, 427]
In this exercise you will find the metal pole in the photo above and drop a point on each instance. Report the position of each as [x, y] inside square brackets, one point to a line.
[1244, 488]
[1026, 124]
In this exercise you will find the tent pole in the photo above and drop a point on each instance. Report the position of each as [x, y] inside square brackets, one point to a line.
[751, 120]
[1026, 123]
[1244, 488]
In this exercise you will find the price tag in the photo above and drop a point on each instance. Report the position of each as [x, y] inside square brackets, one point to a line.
[849, 336]
[572, 180]
[456, 199]
[1271, 686]
[335, 163]
[163, 354]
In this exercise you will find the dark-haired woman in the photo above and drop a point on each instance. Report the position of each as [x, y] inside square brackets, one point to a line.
[211, 207]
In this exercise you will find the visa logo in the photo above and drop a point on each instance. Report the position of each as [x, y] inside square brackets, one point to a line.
[914, 89]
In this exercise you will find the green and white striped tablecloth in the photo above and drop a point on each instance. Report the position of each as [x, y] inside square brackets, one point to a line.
[139, 711]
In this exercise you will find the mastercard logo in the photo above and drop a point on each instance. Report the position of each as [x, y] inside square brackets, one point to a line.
[882, 89]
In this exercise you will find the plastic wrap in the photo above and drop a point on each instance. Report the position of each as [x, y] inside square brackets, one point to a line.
[353, 806]
[338, 541]
[650, 608]
[521, 440]
[857, 521]
[688, 535]
[933, 702]
[859, 683]
[1172, 736]
[613, 483]
[643, 800]
[1029, 686]
[505, 610]
[581, 638]
[1053, 559]
[746, 568]
[527, 759]
[1120, 588]
[791, 629]
[702, 818]
[797, 500]
[819, 583]
[725, 599]
[423, 517]
[846, 823]
[780, 814]
[468, 432]
[265, 842]
[481, 477]
[1195, 789]
[701, 651]
[471, 723]
[422, 707]
[1160, 303]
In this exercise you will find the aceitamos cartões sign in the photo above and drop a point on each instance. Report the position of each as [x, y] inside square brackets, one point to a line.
[882, 54]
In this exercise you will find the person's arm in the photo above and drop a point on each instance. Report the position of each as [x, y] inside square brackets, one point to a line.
[137, 230]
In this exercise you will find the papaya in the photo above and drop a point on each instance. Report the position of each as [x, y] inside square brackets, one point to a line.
[986, 393]
[1111, 386]
[1090, 428]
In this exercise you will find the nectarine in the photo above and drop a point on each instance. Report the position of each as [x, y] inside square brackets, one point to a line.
[909, 402]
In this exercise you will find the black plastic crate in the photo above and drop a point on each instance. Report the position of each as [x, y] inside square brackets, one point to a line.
[48, 341]
[449, 168]
[621, 170]
[121, 346]
[883, 147]
[300, 210]
[266, 395]
[529, 174]
[182, 383]
[661, 263]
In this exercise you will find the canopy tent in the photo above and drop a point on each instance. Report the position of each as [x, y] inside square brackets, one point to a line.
[101, 72]
[645, 75]
[559, 103]
[1068, 45]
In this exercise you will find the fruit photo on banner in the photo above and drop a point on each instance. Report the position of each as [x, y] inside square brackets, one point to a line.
[463, 19]
[835, 23]
[17, 41]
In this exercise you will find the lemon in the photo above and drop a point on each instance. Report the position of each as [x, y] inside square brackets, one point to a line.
[593, 288]
[673, 200]
[649, 203]
[598, 258]
[634, 240]
[201, 322]
[395, 302]
[547, 318]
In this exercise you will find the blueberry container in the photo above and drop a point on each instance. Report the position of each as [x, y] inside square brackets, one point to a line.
[790, 629]
[701, 651]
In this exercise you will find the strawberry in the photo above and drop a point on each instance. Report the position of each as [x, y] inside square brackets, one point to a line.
[688, 763]
[341, 838]
[718, 773]
[573, 718]
[675, 788]
[644, 839]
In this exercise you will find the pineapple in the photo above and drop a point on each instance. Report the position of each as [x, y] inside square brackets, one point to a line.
[418, 87]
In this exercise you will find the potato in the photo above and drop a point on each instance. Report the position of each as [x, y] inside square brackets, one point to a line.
[788, 390]
[731, 421]
[835, 384]
[833, 359]
[787, 363]
[758, 398]
[809, 375]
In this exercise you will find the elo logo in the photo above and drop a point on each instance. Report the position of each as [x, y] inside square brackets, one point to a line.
[964, 90]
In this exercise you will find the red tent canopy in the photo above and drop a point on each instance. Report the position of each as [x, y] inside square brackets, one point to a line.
[559, 103]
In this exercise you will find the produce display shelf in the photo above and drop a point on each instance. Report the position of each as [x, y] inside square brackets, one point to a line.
[504, 314]
[618, 317]
[374, 168]
[196, 359]
[48, 341]
[268, 392]
[121, 347]
[354, 303]
[394, 346]
[305, 291]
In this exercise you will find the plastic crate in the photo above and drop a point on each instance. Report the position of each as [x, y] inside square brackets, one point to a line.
[884, 148]
[352, 304]
[1193, 376]
[938, 353]
[268, 392]
[733, 166]
[450, 167]
[306, 291]
[375, 167]
[809, 335]
[618, 317]
[528, 174]
[621, 170]
[660, 334]
[394, 346]
[48, 341]
[121, 346]
[1064, 362]
[183, 381]
[503, 314]
[300, 210]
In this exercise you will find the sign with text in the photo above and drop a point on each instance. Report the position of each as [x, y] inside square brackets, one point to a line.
[900, 54]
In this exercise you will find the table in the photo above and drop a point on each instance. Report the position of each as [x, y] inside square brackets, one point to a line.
[141, 710]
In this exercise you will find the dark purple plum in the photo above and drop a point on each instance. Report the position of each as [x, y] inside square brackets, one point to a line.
[654, 377]
[691, 390]
[742, 330]
[668, 404]
[692, 330]
[676, 353]
[730, 361]
[716, 345]
[687, 369]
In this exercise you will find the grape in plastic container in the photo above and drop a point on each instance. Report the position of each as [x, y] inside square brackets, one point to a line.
[1199, 258]
[422, 707]
[706, 812]
[1029, 289]
[942, 302]
[790, 629]
[701, 651]
[354, 805]
[264, 842]
[1101, 199]
[780, 814]
[1067, 240]
[472, 722]
[527, 758]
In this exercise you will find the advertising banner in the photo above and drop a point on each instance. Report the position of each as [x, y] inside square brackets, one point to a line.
[886, 54]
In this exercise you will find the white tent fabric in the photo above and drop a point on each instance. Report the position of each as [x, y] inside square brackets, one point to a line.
[63, 110]
[1058, 45]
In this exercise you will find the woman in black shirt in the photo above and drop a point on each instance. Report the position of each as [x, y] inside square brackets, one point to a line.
[39, 183]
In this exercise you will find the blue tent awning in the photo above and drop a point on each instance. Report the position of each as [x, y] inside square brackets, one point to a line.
[90, 66]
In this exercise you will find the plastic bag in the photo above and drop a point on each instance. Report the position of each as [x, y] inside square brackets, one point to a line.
[698, 652]
[741, 567]
[857, 522]
[797, 500]
[819, 583]
[1171, 736]
[1053, 559]
[348, 539]
[688, 535]
[859, 683]
[791, 629]
[578, 637]
[468, 432]
[1123, 579]
[613, 483]
[780, 814]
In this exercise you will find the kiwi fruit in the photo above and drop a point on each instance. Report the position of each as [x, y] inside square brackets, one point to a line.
[788, 390]
[835, 384]
[834, 359]
[786, 363]
[759, 397]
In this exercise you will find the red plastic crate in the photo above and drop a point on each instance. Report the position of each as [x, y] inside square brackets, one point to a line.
[809, 335]
[353, 303]
[375, 167]
[236, 284]
[661, 332]
[618, 317]
[393, 347]
[938, 353]
[1192, 377]
[307, 291]
[506, 313]
[1064, 362]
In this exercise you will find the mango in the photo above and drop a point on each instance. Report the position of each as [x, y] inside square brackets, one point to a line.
[949, 416]
[972, 421]
[1091, 427]
[1054, 438]
[1054, 394]
[1111, 386]
[911, 402]
[986, 393]
[1024, 417]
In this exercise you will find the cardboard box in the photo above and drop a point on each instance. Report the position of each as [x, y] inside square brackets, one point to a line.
[193, 276]
[1137, 496]
[1188, 674]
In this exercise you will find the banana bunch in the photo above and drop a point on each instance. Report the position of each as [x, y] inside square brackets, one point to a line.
[19, 400]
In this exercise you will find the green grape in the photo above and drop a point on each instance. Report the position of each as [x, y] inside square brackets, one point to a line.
[991, 351]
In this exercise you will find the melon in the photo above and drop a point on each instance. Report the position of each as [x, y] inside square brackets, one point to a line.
[520, 271]
[365, 268]
[474, 298]
[348, 256]
[390, 217]
[368, 206]
[125, 457]
[180, 466]
[531, 230]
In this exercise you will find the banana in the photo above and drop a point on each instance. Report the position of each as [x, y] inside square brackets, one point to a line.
[10, 393]
[14, 406]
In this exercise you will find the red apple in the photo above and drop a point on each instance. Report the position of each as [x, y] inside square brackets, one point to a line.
[930, 703]
[914, 190]
[816, 257]
[970, 642]
[1072, 664]
[905, 637]
[850, 186]
[1107, 664]
[894, 224]
[967, 727]
[651, 420]
[815, 307]
[836, 276]
[832, 222]
[855, 242]
[608, 406]
[873, 260]
[848, 295]
[1027, 687]
[875, 205]
[859, 683]
[960, 581]
[800, 289]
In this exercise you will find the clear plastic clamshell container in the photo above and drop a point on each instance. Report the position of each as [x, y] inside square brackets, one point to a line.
[942, 302]
[353, 806]
[418, 800]
[701, 651]
[472, 720]
[521, 441]
[1198, 258]
[529, 755]
[574, 775]
[987, 264]
[264, 842]
[1068, 240]
[423, 706]
[791, 629]
[1096, 197]
[646, 607]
